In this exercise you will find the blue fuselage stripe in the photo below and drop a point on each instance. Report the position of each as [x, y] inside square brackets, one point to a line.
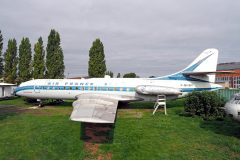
[79, 88]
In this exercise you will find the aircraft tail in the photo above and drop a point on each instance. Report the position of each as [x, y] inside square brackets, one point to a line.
[202, 68]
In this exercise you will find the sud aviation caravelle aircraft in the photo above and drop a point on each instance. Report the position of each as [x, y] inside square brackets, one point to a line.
[96, 99]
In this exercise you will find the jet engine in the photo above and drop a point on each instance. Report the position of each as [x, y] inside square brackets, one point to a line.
[157, 90]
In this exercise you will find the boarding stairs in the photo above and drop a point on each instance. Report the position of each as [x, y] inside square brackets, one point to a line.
[161, 101]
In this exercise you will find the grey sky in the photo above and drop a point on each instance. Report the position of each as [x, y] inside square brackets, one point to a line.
[146, 37]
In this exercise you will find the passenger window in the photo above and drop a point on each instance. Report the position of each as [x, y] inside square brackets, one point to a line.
[70, 88]
[76, 88]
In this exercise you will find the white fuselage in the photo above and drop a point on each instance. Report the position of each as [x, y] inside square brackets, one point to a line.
[70, 88]
[232, 107]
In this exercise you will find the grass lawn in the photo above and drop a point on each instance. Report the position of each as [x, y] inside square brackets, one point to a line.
[47, 133]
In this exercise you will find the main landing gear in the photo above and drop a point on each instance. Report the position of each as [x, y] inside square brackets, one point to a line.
[40, 103]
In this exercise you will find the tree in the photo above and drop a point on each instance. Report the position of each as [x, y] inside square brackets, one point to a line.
[25, 60]
[38, 60]
[54, 59]
[118, 75]
[11, 60]
[1, 58]
[130, 75]
[110, 73]
[96, 63]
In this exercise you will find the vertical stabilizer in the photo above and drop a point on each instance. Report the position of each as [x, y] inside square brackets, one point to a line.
[205, 62]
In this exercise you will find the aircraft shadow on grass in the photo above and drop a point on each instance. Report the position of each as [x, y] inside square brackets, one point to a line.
[226, 127]
[97, 132]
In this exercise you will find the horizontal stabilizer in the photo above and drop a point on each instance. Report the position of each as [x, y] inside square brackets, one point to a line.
[207, 73]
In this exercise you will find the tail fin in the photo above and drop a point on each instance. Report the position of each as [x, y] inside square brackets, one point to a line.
[205, 62]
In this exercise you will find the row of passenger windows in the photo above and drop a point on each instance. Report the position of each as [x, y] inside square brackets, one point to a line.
[69, 83]
[89, 88]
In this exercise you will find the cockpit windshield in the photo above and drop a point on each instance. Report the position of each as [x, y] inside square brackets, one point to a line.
[237, 97]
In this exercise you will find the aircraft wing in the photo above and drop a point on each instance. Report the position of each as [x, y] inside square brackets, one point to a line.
[94, 108]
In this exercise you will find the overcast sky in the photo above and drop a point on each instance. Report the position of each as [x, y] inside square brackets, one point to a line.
[146, 37]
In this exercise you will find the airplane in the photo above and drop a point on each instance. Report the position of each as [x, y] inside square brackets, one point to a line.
[96, 99]
[232, 107]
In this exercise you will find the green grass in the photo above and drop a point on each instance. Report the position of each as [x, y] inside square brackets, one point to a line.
[49, 134]
[16, 102]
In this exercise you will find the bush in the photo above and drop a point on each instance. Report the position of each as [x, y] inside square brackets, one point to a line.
[205, 104]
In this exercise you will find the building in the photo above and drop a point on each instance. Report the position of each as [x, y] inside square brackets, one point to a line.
[7, 89]
[229, 80]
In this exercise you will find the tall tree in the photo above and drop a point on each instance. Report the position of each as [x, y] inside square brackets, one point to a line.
[11, 61]
[1, 58]
[25, 59]
[54, 62]
[96, 63]
[38, 60]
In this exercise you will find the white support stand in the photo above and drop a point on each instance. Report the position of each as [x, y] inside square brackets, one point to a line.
[161, 101]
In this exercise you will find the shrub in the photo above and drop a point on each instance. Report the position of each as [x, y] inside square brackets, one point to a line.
[205, 104]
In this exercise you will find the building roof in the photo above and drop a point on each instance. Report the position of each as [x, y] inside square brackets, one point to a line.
[7, 84]
[228, 66]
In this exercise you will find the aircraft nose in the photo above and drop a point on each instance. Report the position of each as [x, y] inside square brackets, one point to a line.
[17, 90]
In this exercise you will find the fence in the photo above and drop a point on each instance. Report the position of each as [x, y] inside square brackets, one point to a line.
[227, 93]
